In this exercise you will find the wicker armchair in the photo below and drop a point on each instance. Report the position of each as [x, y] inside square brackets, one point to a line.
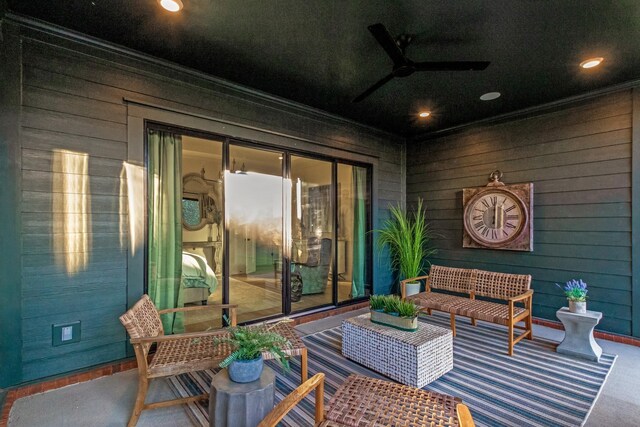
[189, 352]
[365, 402]
[175, 354]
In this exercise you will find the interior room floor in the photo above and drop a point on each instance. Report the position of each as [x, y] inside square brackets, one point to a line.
[108, 401]
[257, 299]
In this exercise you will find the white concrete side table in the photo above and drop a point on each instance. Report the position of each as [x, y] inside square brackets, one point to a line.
[578, 334]
[234, 404]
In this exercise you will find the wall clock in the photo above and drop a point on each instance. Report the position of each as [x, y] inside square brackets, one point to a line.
[498, 216]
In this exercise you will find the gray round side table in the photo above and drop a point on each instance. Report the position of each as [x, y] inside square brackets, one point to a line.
[234, 404]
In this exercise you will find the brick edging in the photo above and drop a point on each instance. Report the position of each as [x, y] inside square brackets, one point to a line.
[623, 339]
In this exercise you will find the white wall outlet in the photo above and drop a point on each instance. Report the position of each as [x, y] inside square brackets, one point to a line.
[65, 333]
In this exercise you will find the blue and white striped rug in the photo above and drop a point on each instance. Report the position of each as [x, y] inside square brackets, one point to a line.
[535, 387]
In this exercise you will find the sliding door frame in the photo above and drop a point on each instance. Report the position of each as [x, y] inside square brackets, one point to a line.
[287, 152]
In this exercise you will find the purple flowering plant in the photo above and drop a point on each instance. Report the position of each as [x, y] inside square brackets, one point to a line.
[575, 290]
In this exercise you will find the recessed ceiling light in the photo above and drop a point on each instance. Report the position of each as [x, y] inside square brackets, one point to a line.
[171, 5]
[424, 114]
[591, 62]
[490, 96]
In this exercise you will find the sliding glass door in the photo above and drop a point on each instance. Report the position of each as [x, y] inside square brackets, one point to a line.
[273, 231]
[312, 231]
[254, 206]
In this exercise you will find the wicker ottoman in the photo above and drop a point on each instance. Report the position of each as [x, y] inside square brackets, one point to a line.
[411, 358]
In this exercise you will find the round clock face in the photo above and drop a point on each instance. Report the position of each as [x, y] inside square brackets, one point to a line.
[495, 217]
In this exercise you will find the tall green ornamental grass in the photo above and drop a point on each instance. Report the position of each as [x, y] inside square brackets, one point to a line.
[408, 238]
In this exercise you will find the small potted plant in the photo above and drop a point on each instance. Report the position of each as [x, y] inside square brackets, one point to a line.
[389, 310]
[245, 362]
[576, 293]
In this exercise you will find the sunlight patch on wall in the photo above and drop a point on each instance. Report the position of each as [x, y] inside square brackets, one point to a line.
[71, 207]
[132, 187]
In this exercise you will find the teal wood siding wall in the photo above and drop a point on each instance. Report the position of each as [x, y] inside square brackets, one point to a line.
[579, 159]
[74, 249]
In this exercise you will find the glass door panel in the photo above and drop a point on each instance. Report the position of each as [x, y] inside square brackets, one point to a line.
[202, 229]
[312, 233]
[353, 213]
[254, 207]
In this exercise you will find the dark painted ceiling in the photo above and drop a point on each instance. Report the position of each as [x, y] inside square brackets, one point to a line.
[320, 53]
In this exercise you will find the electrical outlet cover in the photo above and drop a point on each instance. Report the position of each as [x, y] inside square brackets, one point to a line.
[65, 333]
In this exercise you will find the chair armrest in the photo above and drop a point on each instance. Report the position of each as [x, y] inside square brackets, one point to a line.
[403, 284]
[288, 403]
[232, 308]
[521, 297]
[464, 416]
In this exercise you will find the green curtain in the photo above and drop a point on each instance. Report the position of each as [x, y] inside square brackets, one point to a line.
[359, 231]
[165, 225]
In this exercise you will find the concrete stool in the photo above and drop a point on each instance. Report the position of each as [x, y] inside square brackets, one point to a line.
[234, 404]
[578, 334]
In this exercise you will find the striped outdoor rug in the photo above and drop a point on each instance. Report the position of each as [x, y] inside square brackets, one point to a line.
[535, 387]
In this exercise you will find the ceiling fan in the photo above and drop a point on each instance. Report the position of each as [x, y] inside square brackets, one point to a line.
[403, 66]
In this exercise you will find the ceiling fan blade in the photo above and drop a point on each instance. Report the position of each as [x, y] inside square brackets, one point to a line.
[388, 43]
[451, 66]
[373, 88]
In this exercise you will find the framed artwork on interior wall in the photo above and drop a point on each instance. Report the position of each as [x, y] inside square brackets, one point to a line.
[498, 216]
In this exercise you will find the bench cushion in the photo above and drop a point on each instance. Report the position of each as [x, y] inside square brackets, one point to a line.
[500, 285]
[451, 279]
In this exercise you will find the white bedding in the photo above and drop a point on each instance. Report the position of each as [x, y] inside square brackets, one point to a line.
[196, 272]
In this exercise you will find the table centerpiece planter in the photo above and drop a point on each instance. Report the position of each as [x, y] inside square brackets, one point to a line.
[389, 310]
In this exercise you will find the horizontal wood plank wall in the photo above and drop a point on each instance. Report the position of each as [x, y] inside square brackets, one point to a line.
[74, 203]
[579, 159]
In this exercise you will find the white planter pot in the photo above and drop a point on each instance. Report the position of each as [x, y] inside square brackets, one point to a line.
[412, 288]
[578, 306]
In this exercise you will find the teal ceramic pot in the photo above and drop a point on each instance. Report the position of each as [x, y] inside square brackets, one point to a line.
[246, 371]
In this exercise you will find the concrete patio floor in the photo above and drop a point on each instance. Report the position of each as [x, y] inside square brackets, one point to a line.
[108, 401]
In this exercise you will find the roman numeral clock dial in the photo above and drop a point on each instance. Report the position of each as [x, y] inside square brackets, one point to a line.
[498, 216]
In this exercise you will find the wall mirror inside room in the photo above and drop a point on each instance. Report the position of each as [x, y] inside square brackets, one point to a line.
[271, 231]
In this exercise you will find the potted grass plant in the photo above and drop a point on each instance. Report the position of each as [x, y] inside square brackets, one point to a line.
[389, 310]
[245, 363]
[408, 237]
[576, 293]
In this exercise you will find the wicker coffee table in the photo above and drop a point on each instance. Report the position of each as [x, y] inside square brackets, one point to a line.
[411, 358]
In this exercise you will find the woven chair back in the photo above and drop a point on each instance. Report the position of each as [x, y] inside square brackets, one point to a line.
[142, 321]
[501, 285]
[451, 279]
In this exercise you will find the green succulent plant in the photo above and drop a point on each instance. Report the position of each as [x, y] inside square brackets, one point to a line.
[408, 309]
[376, 302]
[393, 304]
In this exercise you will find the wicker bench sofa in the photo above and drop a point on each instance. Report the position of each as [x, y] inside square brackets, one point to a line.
[463, 285]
